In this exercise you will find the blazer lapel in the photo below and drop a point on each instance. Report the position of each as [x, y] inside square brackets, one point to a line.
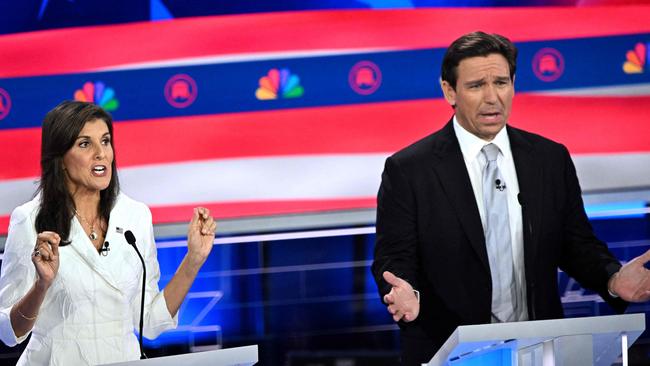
[455, 181]
[529, 175]
[86, 250]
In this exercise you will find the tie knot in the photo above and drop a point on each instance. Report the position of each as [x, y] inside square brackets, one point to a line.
[491, 151]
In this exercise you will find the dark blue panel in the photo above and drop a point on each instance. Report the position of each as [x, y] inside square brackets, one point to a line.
[283, 296]
[309, 251]
[330, 283]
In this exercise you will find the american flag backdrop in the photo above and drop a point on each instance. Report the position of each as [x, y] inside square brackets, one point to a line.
[277, 113]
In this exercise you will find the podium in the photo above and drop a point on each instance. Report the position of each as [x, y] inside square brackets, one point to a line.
[599, 340]
[240, 356]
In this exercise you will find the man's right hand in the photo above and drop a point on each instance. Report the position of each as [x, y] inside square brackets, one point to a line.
[401, 300]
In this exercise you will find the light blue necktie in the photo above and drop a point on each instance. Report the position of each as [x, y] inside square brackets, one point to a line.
[497, 238]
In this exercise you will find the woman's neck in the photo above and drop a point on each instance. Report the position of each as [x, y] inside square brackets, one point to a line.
[86, 203]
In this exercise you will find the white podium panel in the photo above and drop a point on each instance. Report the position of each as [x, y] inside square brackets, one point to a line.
[599, 340]
[238, 356]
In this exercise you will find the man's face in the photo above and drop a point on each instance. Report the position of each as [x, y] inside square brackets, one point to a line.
[483, 94]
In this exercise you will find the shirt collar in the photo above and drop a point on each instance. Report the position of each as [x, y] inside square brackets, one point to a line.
[471, 145]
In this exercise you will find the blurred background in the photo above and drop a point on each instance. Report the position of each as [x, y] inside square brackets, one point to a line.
[278, 116]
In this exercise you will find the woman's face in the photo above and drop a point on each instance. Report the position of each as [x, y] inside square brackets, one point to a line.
[88, 162]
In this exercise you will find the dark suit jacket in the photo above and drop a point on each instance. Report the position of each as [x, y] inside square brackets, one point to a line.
[429, 233]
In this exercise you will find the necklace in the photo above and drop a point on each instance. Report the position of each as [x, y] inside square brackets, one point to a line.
[93, 233]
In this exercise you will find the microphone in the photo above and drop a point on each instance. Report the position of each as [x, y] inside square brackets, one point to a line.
[130, 238]
[104, 250]
[500, 187]
[524, 213]
[529, 226]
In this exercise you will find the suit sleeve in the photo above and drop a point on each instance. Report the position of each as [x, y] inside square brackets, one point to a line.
[396, 243]
[585, 257]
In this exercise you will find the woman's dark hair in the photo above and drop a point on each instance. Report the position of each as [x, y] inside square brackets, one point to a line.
[473, 45]
[61, 127]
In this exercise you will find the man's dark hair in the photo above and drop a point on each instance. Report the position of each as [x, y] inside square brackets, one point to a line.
[476, 44]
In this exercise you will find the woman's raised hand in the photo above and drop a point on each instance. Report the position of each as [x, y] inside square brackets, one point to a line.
[46, 257]
[200, 235]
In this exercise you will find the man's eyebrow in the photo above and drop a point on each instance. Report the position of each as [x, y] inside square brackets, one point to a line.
[476, 81]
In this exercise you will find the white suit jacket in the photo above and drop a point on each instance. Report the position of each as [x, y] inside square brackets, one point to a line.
[90, 312]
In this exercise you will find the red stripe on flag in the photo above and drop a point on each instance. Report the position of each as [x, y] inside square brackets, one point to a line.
[4, 225]
[52, 52]
[21, 153]
[585, 124]
[343, 129]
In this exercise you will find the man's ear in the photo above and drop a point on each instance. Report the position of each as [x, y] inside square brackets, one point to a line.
[449, 92]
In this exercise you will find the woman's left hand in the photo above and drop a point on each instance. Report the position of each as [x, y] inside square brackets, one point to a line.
[200, 235]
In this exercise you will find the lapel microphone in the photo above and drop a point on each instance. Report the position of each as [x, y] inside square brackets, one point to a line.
[105, 249]
[130, 238]
[500, 185]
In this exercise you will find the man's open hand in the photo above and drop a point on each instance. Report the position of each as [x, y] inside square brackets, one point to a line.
[401, 300]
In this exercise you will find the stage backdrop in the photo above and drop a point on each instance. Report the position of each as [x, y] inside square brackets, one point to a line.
[292, 112]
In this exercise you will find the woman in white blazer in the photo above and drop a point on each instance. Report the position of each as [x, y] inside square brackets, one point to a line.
[69, 277]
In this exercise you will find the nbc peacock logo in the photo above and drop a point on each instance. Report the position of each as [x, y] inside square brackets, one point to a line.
[279, 84]
[99, 94]
[635, 59]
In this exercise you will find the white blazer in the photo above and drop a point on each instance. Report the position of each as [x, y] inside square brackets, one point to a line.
[90, 312]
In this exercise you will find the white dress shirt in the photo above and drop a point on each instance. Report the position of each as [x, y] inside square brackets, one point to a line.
[470, 146]
[90, 312]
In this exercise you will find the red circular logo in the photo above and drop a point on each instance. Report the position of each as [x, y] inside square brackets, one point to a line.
[365, 77]
[5, 103]
[180, 91]
[548, 64]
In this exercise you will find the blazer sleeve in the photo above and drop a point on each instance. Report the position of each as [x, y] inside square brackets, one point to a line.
[396, 241]
[18, 272]
[585, 257]
[156, 315]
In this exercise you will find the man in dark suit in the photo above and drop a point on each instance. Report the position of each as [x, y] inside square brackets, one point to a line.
[437, 259]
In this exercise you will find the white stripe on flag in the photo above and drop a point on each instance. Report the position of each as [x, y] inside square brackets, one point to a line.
[236, 180]
[252, 179]
[303, 177]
